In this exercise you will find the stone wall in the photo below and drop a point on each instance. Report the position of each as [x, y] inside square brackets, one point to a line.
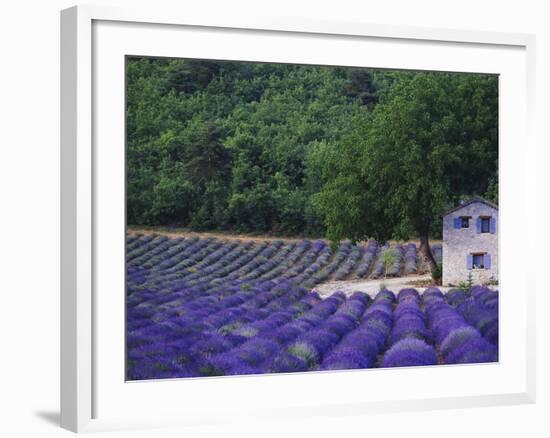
[458, 243]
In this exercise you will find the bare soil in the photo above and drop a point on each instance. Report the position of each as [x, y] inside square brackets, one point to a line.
[372, 287]
[182, 232]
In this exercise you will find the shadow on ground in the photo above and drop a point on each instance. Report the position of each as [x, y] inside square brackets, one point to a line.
[51, 417]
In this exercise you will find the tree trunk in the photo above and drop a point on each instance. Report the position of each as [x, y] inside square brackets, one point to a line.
[427, 250]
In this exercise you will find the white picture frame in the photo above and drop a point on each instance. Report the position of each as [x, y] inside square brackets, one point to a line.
[92, 395]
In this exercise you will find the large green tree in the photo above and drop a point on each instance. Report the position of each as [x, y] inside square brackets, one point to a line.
[429, 143]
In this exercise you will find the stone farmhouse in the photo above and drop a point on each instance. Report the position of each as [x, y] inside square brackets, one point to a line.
[470, 242]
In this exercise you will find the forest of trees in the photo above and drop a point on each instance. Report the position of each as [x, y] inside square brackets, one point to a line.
[306, 150]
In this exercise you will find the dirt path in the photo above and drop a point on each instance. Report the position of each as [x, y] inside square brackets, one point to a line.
[180, 232]
[371, 287]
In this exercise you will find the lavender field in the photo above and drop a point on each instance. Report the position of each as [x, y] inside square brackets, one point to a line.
[209, 307]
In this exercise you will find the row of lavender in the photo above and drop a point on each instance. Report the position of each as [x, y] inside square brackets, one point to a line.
[274, 327]
[199, 307]
[160, 262]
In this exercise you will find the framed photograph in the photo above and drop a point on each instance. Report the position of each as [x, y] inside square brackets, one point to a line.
[282, 218]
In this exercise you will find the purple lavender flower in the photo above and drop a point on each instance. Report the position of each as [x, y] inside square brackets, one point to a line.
[202, 307]
[287, 363]
[409, 352]
[347, 358]
[468, 346]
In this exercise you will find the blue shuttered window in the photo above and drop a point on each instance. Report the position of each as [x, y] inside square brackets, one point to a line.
[457, 222]
[478, 225]
[493, 226]
[469, 261]
[487, 261]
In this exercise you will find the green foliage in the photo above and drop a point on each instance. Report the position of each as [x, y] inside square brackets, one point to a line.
[430, 140]
[389, 257]
[437, 273]
[492, 190]
[288, 149]
[304, 351]
[467, 284]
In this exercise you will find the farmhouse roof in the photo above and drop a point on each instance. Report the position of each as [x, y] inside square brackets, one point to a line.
[471, 201]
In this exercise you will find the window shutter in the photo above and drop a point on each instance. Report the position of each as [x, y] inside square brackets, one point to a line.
[493, 226]
[469, 261]
[457, 222]
[478, 225]
[487, 261]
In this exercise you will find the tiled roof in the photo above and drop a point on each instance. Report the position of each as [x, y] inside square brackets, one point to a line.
[471, 201]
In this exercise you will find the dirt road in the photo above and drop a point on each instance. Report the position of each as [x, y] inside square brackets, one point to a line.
[372, 287]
